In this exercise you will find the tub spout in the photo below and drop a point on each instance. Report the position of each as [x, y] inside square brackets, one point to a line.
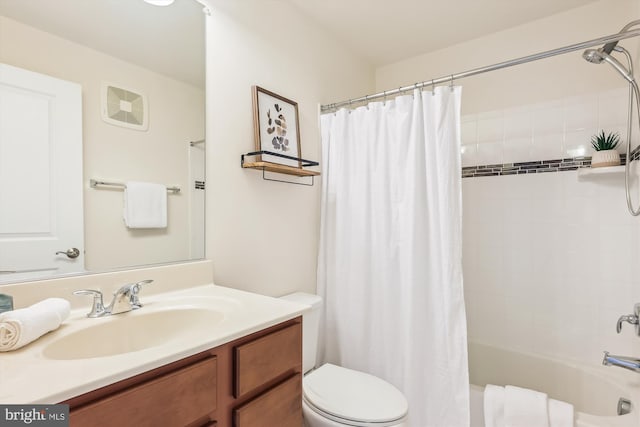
[630, 363]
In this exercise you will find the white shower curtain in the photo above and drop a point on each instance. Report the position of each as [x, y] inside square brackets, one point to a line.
[389, 266]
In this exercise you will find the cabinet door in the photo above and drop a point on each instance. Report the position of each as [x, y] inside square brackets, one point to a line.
[281, 406]
[265, 359]
[179, 398]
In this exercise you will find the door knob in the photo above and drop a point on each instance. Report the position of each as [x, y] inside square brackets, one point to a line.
[71, 253]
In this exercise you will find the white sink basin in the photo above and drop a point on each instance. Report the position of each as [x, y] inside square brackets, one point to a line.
[133, 331]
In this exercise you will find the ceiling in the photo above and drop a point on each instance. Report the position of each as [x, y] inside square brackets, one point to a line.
[169, 40]
[386, 31]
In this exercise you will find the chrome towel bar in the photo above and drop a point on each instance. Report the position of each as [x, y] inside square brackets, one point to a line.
[93, 183]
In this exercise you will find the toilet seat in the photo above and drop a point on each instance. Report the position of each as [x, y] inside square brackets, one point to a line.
[353, 398]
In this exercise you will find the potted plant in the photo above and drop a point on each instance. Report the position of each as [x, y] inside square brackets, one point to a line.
[605, 146]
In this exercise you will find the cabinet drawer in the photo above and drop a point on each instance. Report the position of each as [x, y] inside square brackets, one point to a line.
[281, 406]
[175, 399]
[264, 359]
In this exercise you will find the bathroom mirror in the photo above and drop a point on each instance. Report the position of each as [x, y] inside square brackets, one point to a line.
[98, 91]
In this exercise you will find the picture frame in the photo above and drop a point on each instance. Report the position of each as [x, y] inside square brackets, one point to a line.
[276, 127]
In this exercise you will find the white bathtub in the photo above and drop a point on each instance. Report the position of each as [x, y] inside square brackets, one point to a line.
[594, 391]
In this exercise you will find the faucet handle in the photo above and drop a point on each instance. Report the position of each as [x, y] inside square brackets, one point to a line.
[97, 308]
[135, 291]
[633, 319]
[629, 318]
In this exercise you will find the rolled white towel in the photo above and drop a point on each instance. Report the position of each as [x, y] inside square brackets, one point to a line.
[20, 327]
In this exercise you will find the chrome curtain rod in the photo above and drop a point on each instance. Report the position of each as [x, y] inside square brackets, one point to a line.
[200, 141]
[452, 77]
[93, 183]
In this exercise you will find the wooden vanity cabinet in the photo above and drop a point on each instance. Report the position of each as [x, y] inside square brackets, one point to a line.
[254, 381]
[268, 373]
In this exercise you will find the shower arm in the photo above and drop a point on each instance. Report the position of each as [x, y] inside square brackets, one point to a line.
[630, 25]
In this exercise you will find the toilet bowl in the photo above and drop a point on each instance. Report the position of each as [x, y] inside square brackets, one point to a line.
[334, 396]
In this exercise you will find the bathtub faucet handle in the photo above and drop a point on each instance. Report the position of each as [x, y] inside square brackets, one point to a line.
[629, 318]
[634, 319]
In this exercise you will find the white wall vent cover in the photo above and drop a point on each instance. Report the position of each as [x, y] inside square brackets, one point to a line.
[124, 107]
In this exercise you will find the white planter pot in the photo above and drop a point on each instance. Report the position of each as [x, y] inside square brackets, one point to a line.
[605, 158]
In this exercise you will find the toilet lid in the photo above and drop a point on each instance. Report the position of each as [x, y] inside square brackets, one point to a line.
[353, 395]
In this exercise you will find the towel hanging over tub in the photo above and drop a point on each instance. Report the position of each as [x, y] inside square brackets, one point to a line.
[512, 406]
[145, 205]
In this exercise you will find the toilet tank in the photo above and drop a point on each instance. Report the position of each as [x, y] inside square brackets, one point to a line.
[310, 327]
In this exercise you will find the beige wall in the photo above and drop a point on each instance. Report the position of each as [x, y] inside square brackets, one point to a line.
[263, 236]
[552, 78]
[176, 116]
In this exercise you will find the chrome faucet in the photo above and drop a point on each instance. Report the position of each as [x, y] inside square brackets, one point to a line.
[126, 298]
[629, 363]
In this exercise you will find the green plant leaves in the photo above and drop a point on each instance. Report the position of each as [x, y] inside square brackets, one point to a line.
[602, 141]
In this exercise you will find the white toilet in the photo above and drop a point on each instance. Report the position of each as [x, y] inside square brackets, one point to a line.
[336, 397]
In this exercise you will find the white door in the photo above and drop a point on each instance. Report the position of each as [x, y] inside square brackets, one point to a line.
[40, 175]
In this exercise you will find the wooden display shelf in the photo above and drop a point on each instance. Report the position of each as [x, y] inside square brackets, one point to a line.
[265, 166]
[274, 167]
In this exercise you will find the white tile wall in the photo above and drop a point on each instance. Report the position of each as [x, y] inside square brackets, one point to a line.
[552, 130]
[550, 263]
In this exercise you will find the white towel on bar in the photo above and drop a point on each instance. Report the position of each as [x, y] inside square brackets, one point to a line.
[512, 406]
[20, 327]
[145, 205]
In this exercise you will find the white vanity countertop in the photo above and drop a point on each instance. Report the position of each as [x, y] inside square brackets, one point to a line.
[28, 376]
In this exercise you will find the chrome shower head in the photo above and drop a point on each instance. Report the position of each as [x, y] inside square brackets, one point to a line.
[593, 55]
[596, 56]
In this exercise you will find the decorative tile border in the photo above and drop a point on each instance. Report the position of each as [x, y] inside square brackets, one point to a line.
[537, 166]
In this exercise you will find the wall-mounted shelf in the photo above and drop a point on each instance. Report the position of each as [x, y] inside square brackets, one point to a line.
[609, 170]
[593, 173]
[278, 168]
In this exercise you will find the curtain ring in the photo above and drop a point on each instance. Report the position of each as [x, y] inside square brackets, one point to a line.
[433, 87]
[366, 97]
[384, 98]
[451, 84]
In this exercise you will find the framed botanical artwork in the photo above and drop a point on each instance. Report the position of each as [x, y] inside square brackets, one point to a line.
[276, 128]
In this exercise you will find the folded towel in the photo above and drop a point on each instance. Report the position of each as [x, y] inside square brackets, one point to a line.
[525, 408]
[560, 413]
[20, 327]
[145, 205]
[520, 407]
[494, 406]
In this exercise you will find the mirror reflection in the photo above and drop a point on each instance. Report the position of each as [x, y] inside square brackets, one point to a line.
[106, 91]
